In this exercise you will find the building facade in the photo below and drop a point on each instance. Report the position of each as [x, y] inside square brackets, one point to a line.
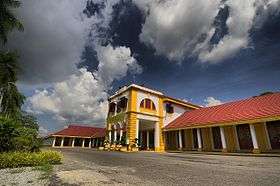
[79, 136]
[250, 125]
[151, 120]
[138, 116]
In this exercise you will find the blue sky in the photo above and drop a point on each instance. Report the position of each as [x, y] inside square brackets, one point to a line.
[74, 54]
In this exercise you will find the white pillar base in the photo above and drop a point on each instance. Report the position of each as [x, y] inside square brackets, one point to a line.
[199, 139]
[73, 142]
[54, 139]
[62, 141]
[223, 139]
[180, 139]
[254, 139]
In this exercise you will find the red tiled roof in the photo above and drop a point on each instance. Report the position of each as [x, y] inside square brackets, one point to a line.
[82, 131]
[248, 109]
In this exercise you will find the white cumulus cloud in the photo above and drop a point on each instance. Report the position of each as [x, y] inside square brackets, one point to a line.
[211, 101]
[83, 96]
[177, 28]
[173, 27]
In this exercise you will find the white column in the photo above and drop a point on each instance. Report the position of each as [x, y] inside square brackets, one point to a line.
[148, 140]
[83, 144]
[199, 138]
[97, 142]
[53, 144]
[62, 141]
[89, 144]
[115, 113]
[93, 142]
[254, 137]
[137, 129]
[180, 139]
[223, 138]
[110, 136]
[73, 142]
[156, 135]
[115, 135]
[121, 133]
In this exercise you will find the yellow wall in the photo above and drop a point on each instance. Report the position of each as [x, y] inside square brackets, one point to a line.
[131, 127]
[132, 117]
[161, 133]
[231, 140]
[206, 138]
[261, 137]
[188, 139]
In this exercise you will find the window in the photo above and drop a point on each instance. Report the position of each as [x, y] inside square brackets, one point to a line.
[147, 104]
[169, 108]
[122, 104]
[112, 107]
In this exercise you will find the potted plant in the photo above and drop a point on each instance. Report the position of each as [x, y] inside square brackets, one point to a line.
[118, 145]
[106, 145]
[134, 145]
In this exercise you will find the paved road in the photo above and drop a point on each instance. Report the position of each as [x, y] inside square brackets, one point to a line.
[88, 167]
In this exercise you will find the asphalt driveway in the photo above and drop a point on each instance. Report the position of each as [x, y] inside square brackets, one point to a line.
[91, 167]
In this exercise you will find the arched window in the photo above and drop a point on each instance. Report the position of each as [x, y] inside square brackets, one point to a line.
[147, 104]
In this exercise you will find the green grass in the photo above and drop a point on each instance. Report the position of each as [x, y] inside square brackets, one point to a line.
[46, 170]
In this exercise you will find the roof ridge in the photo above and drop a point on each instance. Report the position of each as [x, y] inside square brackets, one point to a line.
[239, 100]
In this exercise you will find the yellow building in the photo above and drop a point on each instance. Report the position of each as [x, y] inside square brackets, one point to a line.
[137, 112]
[149, 120]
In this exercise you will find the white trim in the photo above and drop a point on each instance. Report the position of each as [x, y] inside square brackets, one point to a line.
[135, 86]
[145, 117]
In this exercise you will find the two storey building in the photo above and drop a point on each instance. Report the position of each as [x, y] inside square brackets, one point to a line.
[138, 115]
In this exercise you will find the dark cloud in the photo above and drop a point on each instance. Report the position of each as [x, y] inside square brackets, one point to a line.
[52, 41]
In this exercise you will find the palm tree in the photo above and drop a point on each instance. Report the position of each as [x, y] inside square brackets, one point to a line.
[11, 99]
[8, 21]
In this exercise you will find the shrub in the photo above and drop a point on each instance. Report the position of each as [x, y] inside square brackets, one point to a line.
[19, 135]
[21, 159]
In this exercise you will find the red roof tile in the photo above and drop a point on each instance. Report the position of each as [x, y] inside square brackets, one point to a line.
[249, 109]
[82, 131]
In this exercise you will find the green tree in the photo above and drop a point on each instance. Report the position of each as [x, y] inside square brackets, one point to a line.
[11, 99]
[8, 21]
[18, 130]
[8, 131]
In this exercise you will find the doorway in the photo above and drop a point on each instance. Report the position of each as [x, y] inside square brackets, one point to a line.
[244, 137]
